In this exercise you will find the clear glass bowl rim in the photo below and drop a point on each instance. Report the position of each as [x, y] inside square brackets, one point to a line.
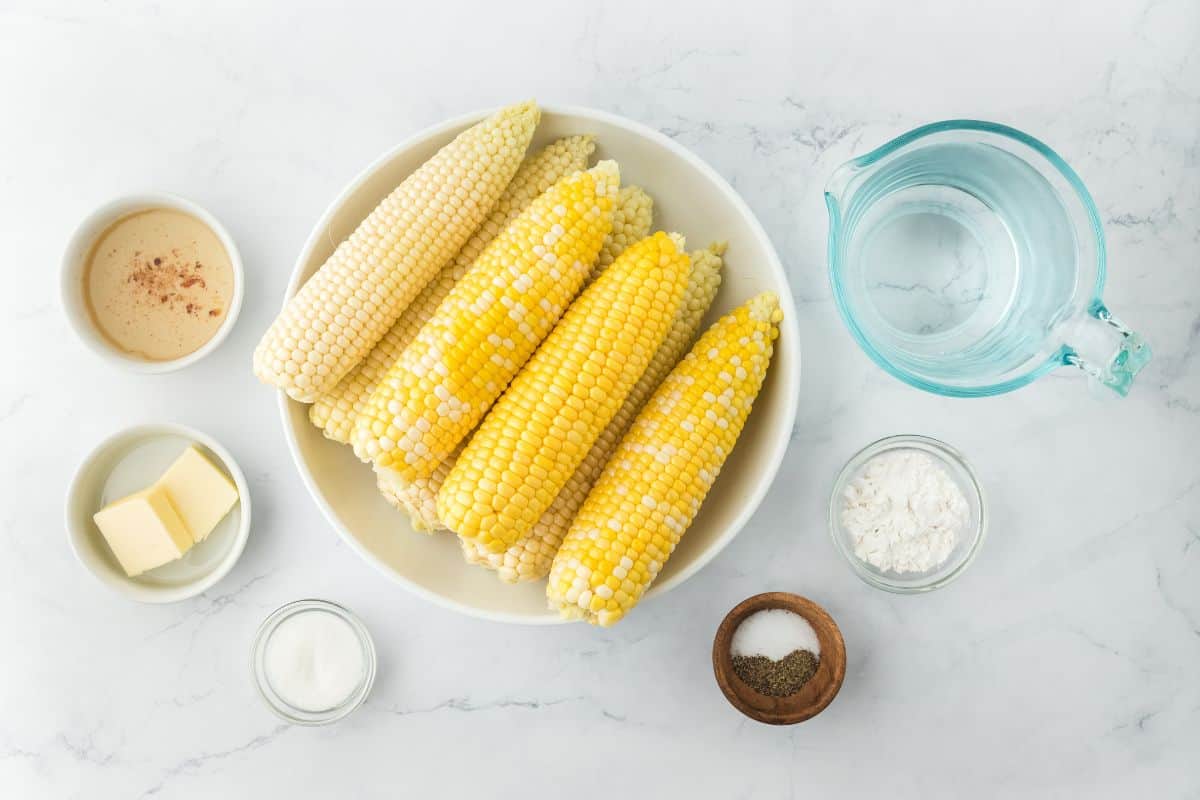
[896, 442]
[277, 704]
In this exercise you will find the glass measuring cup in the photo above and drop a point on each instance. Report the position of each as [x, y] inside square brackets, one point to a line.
[967, 259]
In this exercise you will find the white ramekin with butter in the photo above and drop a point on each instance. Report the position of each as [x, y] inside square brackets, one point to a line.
[158, 513]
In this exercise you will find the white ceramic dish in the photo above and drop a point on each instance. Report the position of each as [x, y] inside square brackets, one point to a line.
[689, 197]
[129, 461]
[74, 261]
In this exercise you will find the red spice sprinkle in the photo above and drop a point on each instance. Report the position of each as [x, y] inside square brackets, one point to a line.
[166, 279]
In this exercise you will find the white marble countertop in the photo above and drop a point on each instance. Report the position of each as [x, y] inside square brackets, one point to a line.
[1064, 664]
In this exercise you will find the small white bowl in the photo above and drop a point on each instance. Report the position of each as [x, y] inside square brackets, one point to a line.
[74, 262]
[127, 462]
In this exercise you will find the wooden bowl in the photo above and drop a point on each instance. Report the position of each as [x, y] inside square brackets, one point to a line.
[815, 695]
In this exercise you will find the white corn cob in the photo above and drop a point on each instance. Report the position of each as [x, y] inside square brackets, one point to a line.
[334, 412]
[360, 291]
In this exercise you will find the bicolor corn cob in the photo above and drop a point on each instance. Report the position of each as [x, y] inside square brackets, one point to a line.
[653, 486]
[334, 412]
[539, 431]
[632, 218]
[633, 214]
[529, 557]
[488, 325]
[359, 292]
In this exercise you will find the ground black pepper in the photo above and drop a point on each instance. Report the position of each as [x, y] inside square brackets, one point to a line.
[776, 678]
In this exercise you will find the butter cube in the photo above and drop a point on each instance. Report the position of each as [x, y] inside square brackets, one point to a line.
[200, 492]
[143, 530]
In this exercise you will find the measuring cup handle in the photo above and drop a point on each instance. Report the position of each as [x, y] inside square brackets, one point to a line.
[1132, 354]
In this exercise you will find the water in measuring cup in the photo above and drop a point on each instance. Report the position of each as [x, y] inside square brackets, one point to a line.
[963, 256]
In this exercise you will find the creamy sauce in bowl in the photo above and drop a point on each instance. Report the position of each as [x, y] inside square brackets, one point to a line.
[158, 283]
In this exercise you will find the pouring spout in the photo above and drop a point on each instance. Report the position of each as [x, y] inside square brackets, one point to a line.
[837, 193]
[838, 184]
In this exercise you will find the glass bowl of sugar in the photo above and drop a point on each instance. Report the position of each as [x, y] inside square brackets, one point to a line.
[908, 514]
[313, 662]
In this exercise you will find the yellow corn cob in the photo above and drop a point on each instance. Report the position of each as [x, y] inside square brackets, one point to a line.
[539, 431]
[486, 328]
[529, 558]
[653, 486]
[359, 292]
[334, 412]
[633, 214]
[632, 218]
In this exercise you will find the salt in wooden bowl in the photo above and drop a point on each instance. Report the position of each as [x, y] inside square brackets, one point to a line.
[814, 696]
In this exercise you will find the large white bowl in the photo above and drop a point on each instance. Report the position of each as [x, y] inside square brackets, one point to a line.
[689, 197]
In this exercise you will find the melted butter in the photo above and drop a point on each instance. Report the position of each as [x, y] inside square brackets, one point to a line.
[158, 284]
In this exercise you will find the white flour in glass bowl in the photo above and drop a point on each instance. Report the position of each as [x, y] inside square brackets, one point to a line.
[903, 512]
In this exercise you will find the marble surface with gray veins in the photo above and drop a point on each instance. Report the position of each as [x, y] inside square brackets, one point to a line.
[1065, 663]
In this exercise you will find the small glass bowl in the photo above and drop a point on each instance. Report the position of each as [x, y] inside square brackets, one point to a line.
[969, 540]
[281, 707]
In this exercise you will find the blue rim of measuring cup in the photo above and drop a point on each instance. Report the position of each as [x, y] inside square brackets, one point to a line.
[1059, 358]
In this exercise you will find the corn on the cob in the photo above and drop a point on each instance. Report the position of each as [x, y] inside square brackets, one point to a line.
[359, 292]
[334, 411]
[653, 486]
[539, 431]
[632, 217]
[633, 213]
[485, 329]
[529, 558]
[418, 498]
